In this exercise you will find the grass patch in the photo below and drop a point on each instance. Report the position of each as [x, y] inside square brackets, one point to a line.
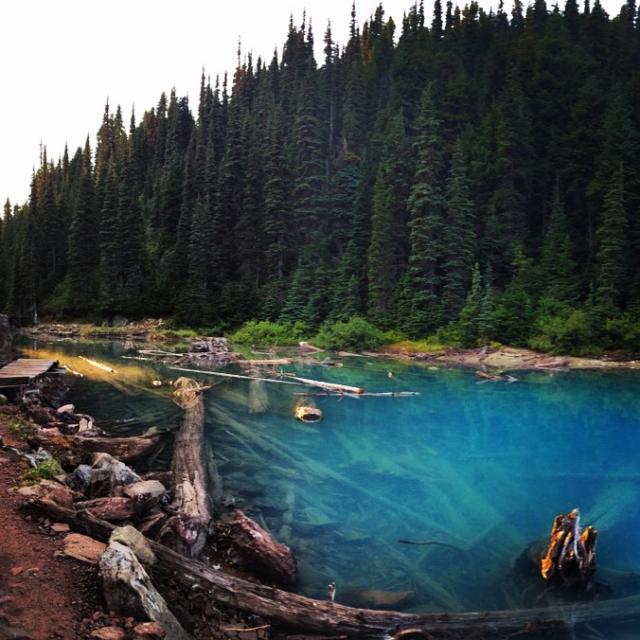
[18, 427]
[46, 470]
[428, 345]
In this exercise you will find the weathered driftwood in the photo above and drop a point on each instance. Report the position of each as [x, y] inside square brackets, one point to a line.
[329, 386]
[128, 590]
[571, 554]
[303, 614]
[72, 450]
[187, 530]
[257, 552]
[112, 509]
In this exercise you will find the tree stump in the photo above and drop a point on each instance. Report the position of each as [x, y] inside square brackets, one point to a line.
[571, 554]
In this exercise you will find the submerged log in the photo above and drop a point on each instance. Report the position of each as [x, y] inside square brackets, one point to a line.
[257, 552]
[293, 611]
[72, 450]
[187, 530]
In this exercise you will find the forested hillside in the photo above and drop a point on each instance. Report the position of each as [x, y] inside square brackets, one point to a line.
[469, 172]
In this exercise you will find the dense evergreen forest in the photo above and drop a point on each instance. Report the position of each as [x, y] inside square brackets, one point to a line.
[470, 174]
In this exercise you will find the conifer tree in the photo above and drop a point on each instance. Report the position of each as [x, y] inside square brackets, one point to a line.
[84, 254]
[427, 224]
[388, 246]
[612, 245]
[459, 238]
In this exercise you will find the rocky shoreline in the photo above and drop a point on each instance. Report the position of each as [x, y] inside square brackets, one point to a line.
[507, 359]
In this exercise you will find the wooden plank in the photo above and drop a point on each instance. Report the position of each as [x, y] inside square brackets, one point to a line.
[23, 370]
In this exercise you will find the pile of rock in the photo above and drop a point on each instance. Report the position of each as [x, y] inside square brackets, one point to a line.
[210, 352]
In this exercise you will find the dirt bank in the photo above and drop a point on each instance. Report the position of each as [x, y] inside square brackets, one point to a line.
[42, 595]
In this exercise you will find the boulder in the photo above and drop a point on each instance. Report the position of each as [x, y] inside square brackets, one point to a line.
[83, 548]
[128, 590]
[132, 538]
[80, 479]
[145, 494]
[149, 631]
[48, 490]
[109, 633]
[108, 473]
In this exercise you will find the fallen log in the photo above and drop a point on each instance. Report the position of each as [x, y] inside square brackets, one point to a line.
[111, 509]
[292, 611]
[187, 530]
[98, 365]
[258, 553]
[72, 450]
[329, 386]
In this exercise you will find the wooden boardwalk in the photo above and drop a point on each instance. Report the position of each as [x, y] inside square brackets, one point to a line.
[23, 371]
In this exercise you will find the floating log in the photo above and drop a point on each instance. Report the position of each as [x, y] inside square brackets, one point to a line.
[307, 413]
[98, 365]
[571, 554]
[495, 377]
[329, 386]
[307, 615]
[72, 450]
[366, 394]
[256, 550]
[187, 530]
[231, 375]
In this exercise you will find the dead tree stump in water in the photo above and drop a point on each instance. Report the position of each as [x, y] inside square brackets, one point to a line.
[571, 554]
[187, 530]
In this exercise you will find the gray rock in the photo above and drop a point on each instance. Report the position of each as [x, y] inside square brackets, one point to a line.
[108, 473]
[3, 400]
[132, 538]
[145, 494]
[80, 479]
[128, 590]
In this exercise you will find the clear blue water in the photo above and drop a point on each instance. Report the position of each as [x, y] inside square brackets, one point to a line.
[484, 466]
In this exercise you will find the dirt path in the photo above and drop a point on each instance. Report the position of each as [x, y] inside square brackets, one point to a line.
[42, 596]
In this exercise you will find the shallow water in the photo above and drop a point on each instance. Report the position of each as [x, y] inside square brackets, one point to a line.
[484, 466]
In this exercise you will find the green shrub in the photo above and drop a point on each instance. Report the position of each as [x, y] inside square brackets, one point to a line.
[46, 470]
[567, 332]
[267, 333]
[19, 427]
[355, 334]
[623, 332]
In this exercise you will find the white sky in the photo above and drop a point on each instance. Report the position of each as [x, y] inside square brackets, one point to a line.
[61, 59]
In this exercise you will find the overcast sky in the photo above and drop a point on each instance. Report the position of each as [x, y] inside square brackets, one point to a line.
[61, 60]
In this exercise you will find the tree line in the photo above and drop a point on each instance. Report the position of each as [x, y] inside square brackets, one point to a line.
[472, 174]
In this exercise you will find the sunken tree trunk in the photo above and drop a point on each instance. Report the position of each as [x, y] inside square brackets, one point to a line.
[256, 551]
[187, 530]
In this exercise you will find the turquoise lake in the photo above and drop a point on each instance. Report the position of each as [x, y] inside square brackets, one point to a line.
[483, 466]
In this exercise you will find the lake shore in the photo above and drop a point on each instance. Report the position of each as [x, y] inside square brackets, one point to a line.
[504, 359]
[501, 358]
